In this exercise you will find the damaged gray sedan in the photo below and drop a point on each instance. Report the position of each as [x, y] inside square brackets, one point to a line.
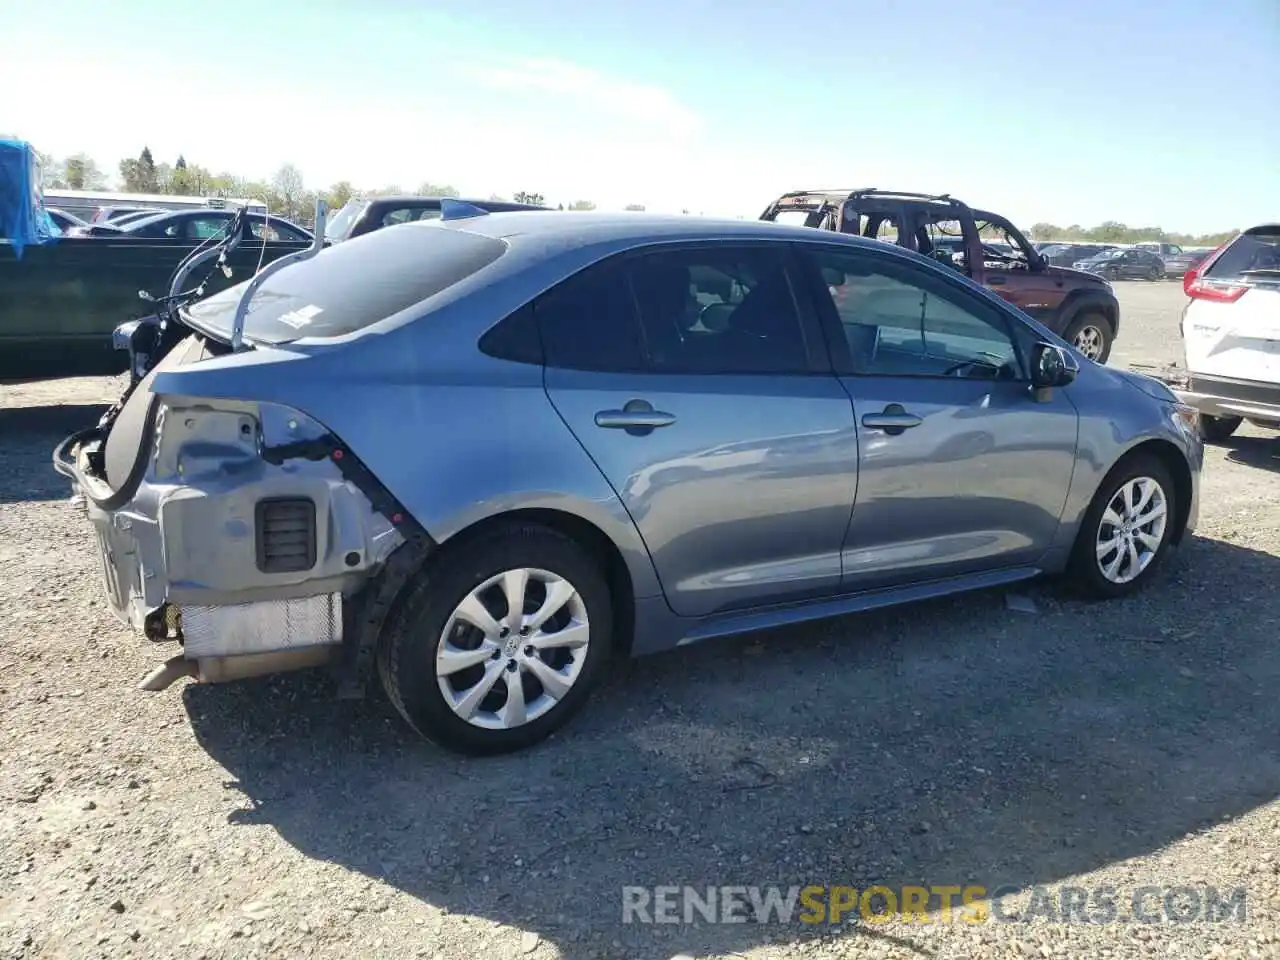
[478, 457]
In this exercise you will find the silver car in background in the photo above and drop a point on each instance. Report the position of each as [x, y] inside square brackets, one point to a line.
[482, 455]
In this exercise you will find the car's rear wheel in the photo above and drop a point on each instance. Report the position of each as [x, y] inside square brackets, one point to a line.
[1127, 529]
[1156, 273]
[1091, 334]
[499, 641]
[1218, 429]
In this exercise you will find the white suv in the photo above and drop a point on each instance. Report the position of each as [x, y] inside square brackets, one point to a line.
[1231, 334]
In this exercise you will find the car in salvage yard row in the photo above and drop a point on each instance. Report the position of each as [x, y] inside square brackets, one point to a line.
[1124, 265]
[1231, 334]
[482, 455]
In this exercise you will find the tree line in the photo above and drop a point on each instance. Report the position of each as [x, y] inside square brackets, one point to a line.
[287, 195]
[1112, 231]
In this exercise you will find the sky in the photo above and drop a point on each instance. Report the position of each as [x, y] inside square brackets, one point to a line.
[1152, 113]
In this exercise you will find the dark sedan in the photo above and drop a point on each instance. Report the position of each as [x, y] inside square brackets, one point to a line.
[1065, 254]
[365, 214]
[1124, 265]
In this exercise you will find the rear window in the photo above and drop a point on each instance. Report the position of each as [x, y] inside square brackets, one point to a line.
[351, 285]
[1252, 255]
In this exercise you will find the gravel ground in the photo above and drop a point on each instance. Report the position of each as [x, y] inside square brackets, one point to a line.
[957, 742]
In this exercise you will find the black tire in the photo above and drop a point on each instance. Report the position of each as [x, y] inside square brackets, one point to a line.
[407, 650]
[1157, 273]
[1218, 429]
[1084, 569]
[1097, 320]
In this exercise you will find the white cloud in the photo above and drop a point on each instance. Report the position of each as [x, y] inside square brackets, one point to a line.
[584, 87]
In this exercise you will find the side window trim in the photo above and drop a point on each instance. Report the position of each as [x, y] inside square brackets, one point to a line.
[842, 356]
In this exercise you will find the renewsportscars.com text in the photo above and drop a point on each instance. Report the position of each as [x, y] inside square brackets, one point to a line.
[946, 903]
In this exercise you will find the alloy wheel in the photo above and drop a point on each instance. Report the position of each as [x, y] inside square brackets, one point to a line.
[1131, 530]
[1089, 341]
[512, 648]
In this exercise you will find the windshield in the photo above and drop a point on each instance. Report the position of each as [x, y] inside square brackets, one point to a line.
[351, 285]
[344, 219]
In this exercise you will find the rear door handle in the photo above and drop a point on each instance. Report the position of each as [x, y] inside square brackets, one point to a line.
[892, 420]
[637, 417]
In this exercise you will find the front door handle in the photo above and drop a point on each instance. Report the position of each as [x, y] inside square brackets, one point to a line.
[893, 420]
[996, 281]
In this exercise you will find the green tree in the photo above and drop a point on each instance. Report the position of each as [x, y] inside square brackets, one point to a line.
[336, 196]
[582, 205]
[524, 196]
[147, 180]
[139, 176]
[79, 172]
[635, 207]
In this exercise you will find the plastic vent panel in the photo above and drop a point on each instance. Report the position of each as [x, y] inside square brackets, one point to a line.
[286, 534]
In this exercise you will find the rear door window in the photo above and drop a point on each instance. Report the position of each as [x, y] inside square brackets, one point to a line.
[719, 310]
[198, 228]
[350, 286]
[589, 322]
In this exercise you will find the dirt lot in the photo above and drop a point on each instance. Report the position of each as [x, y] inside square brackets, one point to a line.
[958, 742]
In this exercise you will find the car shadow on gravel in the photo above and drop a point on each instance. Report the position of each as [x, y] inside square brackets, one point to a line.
[27, 438]
[953, 742]
[1259, 452]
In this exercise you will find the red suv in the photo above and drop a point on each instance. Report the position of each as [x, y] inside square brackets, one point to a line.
[1079, 307]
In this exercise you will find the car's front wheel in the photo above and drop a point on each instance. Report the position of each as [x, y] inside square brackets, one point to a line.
[1156, 273]
[1127, 529]
[499, 641]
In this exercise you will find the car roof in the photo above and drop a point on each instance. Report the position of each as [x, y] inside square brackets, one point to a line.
[590, 228]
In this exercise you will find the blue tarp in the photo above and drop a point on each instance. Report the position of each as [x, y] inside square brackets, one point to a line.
[23, 219]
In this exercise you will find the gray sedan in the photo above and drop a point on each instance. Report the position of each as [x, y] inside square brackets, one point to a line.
[480, 456]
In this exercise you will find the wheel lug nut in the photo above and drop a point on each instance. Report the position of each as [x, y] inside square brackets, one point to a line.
[529, 651]
[497, 655]
[511, 666]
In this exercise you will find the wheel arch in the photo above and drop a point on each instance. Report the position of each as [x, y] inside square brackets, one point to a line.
[586, 534]
[1173, 460]
[1082, 300]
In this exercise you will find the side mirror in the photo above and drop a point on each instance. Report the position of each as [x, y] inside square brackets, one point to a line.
[1052, 366]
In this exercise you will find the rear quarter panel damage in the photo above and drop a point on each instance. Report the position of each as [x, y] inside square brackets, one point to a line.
[454, 447]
